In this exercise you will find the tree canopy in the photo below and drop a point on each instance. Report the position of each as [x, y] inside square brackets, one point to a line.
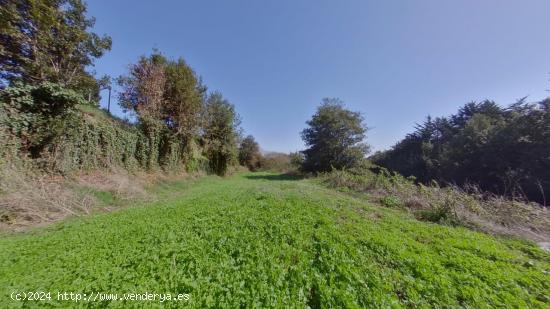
[44, 40]
[334, 138]
[220, 134]
[163, 89]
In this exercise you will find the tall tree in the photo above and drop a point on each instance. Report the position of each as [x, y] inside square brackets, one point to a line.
[168, 99]
[334, 138]
[220, 133]
[166, 90]
[184, 97]
[49, 40]
[143, 87]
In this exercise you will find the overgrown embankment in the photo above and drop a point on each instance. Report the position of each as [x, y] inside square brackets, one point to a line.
[62, 133]
[448, 205]
[53, 143]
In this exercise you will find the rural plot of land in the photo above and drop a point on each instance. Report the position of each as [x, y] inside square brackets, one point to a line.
[268, 240]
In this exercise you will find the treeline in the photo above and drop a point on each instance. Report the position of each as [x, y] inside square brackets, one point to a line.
[502, 150]
[251, 157]
[48, 109]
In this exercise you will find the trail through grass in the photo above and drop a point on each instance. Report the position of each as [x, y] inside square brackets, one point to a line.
[268, 240]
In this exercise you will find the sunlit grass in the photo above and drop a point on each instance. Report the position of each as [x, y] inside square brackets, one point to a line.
[268, 240]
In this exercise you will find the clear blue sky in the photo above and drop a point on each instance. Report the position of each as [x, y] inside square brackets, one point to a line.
[395, 61]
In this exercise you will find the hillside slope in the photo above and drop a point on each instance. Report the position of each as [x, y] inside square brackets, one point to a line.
[267, 240]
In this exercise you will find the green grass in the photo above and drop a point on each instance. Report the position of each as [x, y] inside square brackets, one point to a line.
[267, 240]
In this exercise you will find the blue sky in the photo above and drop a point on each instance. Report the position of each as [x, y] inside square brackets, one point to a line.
[395, 61]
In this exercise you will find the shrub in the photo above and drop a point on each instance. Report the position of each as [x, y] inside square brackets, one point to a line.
[391, 201]
[276, 162]
[448, 205]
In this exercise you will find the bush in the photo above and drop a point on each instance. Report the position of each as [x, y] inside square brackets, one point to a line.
[249, 153]
[276, 162]
[37, 114]
[391, 201]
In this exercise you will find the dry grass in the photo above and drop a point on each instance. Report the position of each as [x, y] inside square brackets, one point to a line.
[119, 183]
[29, 198]
[449, 205]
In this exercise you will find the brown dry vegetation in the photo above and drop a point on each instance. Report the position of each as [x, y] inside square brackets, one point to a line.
[276, 162]
[30, 198]
[448, 205]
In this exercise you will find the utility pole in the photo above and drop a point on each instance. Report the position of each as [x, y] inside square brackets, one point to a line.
[109, 101]
[105, 83]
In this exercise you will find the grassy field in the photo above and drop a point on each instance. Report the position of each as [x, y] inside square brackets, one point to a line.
[267, 240]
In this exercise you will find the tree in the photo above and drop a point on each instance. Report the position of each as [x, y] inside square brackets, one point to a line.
[334, 138]
[168, 99]
[143, 88]
[165, 90]
[220, 133]
[184, 96]
[249, 153]
[44, 40]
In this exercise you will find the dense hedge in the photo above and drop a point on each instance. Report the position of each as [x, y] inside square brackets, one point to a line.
[73, 135]
[89, 143]
[501, 150]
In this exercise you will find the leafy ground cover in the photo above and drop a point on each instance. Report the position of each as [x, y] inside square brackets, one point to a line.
[269, 240]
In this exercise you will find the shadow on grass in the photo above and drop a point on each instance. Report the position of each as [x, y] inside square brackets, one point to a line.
[276, 177]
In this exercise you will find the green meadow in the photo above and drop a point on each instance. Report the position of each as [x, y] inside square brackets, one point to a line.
[269, 240]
